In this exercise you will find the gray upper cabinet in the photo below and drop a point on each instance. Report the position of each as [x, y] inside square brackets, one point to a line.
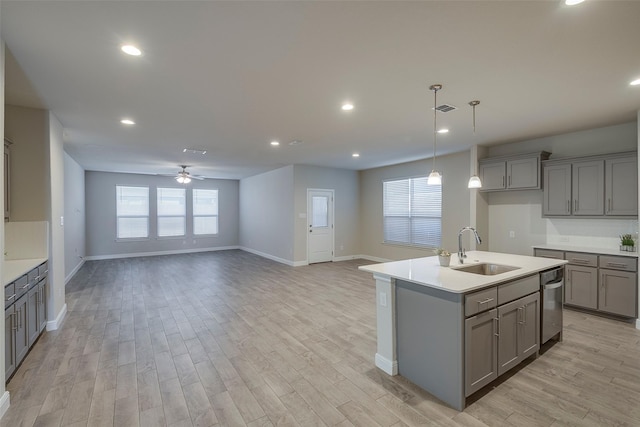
[557, 190]
[588, 188]
[492, 176]
[596, 186]
[519, 172]
[621, 190]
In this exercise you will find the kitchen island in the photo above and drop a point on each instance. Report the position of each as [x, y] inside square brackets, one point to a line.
[450, 331]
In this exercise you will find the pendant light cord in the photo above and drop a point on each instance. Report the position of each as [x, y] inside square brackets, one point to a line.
[435, 88]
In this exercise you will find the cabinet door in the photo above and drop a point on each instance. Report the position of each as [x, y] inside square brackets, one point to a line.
[9, 342]
[7, 183]
[557, 190]
[480, 351]
[618, 292]
[22, 334]
[509, 316]
[493, 176]
[529, 326]
[42, 305]
[523, 173]
[588, 188]
[33, 326]
[581, 286]
[621, 186]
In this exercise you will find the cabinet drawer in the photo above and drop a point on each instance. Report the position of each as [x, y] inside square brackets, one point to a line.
[580, 258]
[22, 285]
[33, 276]
[9, 294]
[546, 253]
[518, 289]
[43, 270]
[480, 301]
[618, 263]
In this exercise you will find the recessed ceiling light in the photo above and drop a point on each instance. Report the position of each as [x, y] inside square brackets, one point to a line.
[347, 106]
[296, 142]
[194, 151]
[127, 122]
[443, 130]
[275, 143]
[636, 82]
[355, 155]
[130, 49]
[572, 2]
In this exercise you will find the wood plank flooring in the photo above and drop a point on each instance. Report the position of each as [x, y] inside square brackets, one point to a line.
[232, 339]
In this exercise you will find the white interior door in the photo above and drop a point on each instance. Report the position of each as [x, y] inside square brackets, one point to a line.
[320, 225]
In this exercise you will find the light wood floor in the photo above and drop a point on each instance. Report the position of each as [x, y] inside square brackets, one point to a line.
[232, 339]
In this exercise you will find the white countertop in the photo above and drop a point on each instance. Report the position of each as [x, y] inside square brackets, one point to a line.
[18, 267]
[427, 271]
[603, 251]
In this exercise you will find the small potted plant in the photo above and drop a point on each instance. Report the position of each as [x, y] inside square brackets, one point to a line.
[444, 256]
[627, 243]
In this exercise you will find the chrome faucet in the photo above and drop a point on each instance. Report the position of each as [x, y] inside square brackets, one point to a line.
[461, 253]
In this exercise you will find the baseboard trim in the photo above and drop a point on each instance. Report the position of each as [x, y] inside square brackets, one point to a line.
[373, 258]
[173, 252]
[5, 402]
[74, 271]
[52, 325]
[388, 366]
[345, 258]
[271, 257]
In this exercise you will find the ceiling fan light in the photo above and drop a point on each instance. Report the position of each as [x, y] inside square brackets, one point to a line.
[186, 180]
[434, 178]
[474, 182]
[180, 179]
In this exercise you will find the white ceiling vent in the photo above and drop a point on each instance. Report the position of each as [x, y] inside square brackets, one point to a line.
[445, 108]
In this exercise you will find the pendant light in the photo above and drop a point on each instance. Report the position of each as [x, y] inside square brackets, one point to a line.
[434, 177]
[474, 181]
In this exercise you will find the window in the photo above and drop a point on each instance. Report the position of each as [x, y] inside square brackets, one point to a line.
[171, 212]
[132, 212]
[205, 211]
[412, 212]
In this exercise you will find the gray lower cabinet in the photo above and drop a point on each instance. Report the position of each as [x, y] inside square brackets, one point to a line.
[481, 355]
[498, 339]
[33, 327]
[42, 305]
[581, 286]
[22, 334]
[518, 331]
[9, 342]
[618, 292]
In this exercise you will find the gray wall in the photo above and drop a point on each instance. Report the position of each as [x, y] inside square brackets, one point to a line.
[100, 197]
[345, 184]
[455, 205]
[29, 130]
[74, 215]
[521, 211]
[266, 214]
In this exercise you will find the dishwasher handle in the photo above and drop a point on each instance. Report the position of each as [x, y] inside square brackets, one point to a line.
[554, 285]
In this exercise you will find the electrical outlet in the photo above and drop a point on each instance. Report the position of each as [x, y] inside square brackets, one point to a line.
[512, 234]
[383, 299]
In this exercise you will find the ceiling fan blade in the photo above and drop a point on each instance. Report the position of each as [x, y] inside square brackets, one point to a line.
[197, 177]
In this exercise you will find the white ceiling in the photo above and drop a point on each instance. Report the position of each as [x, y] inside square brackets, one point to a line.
[229, 77]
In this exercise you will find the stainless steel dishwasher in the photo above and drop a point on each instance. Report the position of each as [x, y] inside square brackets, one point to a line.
[551, 290]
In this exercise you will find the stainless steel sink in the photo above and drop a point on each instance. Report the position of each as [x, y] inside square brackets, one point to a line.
[486, 269]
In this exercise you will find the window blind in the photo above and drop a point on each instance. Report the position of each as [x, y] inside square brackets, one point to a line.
[412, 212]
[171, 212]
[205, 211]
[132, 212]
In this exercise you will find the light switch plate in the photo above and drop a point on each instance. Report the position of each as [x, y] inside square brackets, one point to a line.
[383, 299]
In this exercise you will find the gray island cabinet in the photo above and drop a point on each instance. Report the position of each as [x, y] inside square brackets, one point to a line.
[453, 332]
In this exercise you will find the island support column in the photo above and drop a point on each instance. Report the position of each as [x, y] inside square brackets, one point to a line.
[386, 357]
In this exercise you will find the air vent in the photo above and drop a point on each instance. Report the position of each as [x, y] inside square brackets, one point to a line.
[445, 108]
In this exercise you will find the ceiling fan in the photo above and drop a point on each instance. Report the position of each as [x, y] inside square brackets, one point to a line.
[184, 177]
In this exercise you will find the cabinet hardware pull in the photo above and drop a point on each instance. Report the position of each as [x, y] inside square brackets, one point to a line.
[497, 329]
[579, 260]
[25, 286]
[520, 317]
[568, 206]
[509, 180]
[616, 264]
[485, 301]
[609, 203]
[10, 298]
[575, 205]
[503, 180]
[14, 321]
